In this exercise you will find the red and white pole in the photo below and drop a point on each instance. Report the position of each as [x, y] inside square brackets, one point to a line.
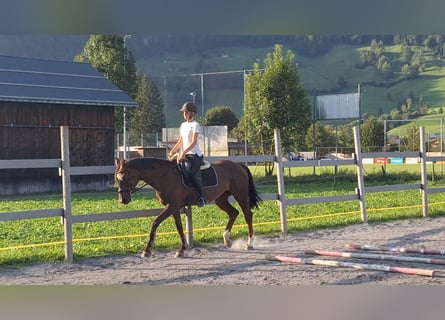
[374, 256]
[394, 249]
[362, 266]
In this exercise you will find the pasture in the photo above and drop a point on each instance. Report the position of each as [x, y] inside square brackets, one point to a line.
[433, 125]
[41, 240]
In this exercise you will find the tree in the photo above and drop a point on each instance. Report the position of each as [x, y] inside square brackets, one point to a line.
[410, 71]
[384, 66]
[371, 56]
[422, 105]
[404, 112]
[406, 53]
[411, 141]
[400, 39]
[109, 55]
[275, 98]
[367, 57]
[252, 125]
[149, 117]
[395, 114]
[319, 136]
[345, 136]
[221, 116]
[418, 61]
[372, 134]
[431, 42]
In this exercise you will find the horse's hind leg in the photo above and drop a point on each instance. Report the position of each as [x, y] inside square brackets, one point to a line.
[248, 215]
[223, 203]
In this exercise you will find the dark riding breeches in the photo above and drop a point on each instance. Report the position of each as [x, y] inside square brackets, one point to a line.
[195, 173]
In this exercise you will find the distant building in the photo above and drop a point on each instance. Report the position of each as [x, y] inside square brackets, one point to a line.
[37, 97]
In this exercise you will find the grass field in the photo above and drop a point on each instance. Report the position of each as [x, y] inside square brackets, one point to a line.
[433, 123]
[41, 240]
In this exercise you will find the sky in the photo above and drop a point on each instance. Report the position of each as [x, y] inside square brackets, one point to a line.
[222, 17]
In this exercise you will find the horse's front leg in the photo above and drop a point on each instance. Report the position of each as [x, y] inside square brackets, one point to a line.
[225, 205]
[178, 223]
[151, 240]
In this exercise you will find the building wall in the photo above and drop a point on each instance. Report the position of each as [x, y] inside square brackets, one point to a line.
[31, 131]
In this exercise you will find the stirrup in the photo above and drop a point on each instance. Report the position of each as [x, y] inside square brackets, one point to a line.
[202, 202]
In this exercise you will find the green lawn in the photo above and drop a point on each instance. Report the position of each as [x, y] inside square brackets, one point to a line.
[433, 123]
[39, 240]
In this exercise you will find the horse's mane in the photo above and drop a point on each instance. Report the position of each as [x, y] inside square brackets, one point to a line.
[149, 163]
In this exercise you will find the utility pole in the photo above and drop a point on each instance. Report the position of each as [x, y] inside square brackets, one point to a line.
[127, 36]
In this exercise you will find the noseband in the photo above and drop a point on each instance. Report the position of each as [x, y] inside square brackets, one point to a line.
[130, 190]
[124, 190]
[120, 190]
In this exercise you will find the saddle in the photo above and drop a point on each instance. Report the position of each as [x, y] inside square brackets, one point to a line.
[208, 173]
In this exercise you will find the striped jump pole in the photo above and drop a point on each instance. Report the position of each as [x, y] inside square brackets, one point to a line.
[394, 249]
[374, 256]
[361, 266]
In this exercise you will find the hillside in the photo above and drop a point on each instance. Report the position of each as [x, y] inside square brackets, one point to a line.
[182, 65]
[318, 74]
[433, 123]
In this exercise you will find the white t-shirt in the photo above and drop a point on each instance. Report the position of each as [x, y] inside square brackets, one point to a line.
[187, 130]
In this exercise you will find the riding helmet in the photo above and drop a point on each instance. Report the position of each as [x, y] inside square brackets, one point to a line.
[189, 106]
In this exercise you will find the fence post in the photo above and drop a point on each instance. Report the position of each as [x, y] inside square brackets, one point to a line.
[189, 225]
[424, 177]
[360, 178]
[66, 189]
[280, 181]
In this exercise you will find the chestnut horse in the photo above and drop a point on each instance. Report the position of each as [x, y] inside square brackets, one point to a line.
[165, 177]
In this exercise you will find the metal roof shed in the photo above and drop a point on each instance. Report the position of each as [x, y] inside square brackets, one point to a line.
[38, 96]
[53, 81]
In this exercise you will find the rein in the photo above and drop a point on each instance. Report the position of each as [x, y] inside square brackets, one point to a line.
[136, 189]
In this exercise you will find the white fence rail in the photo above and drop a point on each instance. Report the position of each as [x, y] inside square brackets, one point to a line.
[359, 194]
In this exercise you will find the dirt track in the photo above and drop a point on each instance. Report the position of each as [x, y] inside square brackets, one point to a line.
[216, 265]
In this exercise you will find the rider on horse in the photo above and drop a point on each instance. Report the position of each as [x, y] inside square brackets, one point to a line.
[188, 141]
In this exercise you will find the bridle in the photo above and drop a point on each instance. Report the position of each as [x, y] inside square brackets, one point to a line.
[135, 189]
[130, 190]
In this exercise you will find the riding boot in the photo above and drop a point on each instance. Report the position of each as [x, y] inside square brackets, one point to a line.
[197, 181]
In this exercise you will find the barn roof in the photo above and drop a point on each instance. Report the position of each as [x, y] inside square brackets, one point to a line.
[56, 81]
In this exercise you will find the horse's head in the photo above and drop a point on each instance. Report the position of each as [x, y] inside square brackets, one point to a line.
[125, 181]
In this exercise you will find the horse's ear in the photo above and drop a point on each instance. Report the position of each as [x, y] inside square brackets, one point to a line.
[117, 162]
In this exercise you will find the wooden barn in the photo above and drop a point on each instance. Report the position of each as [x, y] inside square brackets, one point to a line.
[37, 97]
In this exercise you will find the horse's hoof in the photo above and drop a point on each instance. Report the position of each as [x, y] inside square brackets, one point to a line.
[228, 243]
[179, 254]
[145, 254]
[249, 247]
[226, 238]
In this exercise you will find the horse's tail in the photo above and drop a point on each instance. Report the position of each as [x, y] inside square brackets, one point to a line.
[254, 197]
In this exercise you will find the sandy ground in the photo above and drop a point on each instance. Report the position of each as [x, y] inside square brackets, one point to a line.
[217, 265]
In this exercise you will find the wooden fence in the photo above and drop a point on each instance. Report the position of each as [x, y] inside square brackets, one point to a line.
[359, 194]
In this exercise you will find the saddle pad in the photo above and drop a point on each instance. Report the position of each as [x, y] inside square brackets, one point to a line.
[209, 178]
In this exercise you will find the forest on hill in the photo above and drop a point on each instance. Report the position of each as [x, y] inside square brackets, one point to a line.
[400, 75]
[142, 46]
